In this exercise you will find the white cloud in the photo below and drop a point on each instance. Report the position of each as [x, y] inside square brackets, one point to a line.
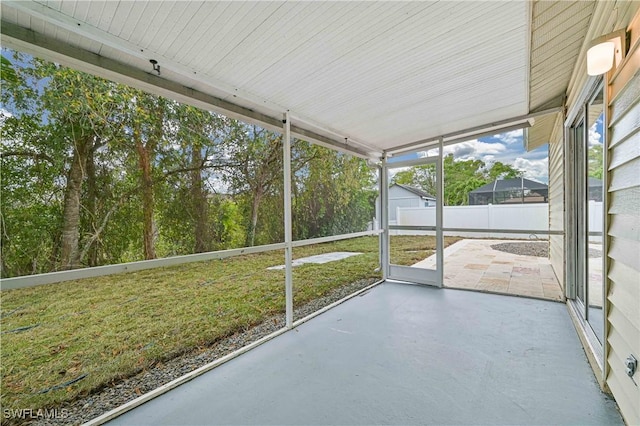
[474, 149]
[510, 137]
[430, 153]
[502, 148]
[489, 159]
[595, 138]
[395, 171]
[533, 169]
[470, 150]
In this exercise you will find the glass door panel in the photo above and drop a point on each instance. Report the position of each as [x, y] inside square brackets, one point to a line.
[581, 241]
[594, 213]
[587, 213]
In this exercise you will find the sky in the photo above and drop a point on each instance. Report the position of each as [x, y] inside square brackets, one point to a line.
[508, 148]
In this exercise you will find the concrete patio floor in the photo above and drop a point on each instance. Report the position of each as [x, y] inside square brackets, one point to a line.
[473, 264]
[403, 354]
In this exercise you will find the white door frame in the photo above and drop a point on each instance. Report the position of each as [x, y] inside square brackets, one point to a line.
[432, 277]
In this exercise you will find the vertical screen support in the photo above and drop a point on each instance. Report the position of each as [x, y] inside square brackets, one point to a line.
[288, 237]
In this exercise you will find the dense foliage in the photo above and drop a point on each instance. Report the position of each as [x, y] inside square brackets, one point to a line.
[95, 173]
[460, 177]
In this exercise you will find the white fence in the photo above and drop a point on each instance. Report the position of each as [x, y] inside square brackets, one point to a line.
[530, 217]
[98, 271]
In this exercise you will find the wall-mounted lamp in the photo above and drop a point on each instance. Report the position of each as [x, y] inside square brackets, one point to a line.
[155, 65]
[603, 50]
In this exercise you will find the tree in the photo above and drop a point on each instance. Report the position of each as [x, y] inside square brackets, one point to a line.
[30, 211]
[423, 176]
[97, 173]
[500, 170]
[7, 73]
[191, 164]
[596, 162]
[333, 193]
[460, 177]
[258, 155]
[71, 130]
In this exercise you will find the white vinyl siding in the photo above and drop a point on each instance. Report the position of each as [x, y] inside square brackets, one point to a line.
[556, 205]
[623, 318]
[400, 197]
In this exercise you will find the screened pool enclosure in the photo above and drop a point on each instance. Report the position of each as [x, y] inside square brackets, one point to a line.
[510, 191]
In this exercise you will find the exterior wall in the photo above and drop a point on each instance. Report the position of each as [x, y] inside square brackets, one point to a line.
[607, 16]
[622, 226]
[623, 230]
[399, 197]
[556, 205]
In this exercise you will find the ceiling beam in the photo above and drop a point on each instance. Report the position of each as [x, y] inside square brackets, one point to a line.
[514, 123]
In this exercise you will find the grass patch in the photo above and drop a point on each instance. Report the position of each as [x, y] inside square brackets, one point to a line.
[112, 327]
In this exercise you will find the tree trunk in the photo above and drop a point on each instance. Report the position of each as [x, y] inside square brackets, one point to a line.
[4, 244]
[92, 197]
[145, 152]
[253, 224]
[69, 252]
[199, 204]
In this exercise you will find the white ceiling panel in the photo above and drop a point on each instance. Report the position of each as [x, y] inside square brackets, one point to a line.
[77, 9]
[128, 18]
[68, 7]
[383, 74]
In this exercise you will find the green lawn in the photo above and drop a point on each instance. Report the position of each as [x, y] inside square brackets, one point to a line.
[112, 327]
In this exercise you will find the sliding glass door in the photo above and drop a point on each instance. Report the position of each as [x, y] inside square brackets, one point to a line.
[585, 219]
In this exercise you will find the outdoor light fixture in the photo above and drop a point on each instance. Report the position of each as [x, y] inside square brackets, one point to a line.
[155, 65]
[603, 50]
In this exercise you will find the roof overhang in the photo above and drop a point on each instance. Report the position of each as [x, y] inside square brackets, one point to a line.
[558, 31]
[540, 134]
[361, 77]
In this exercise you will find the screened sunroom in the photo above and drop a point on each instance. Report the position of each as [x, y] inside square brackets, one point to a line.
[388, 82]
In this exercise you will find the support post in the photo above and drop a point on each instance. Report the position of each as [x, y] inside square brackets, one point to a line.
[288, 238]
[378, 216]
[439, 216]
[384, 218]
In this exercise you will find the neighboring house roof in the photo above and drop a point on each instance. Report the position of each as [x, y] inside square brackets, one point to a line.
[416, 191]
[508, 184]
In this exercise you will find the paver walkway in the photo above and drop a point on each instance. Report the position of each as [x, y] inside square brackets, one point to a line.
[473, 264]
